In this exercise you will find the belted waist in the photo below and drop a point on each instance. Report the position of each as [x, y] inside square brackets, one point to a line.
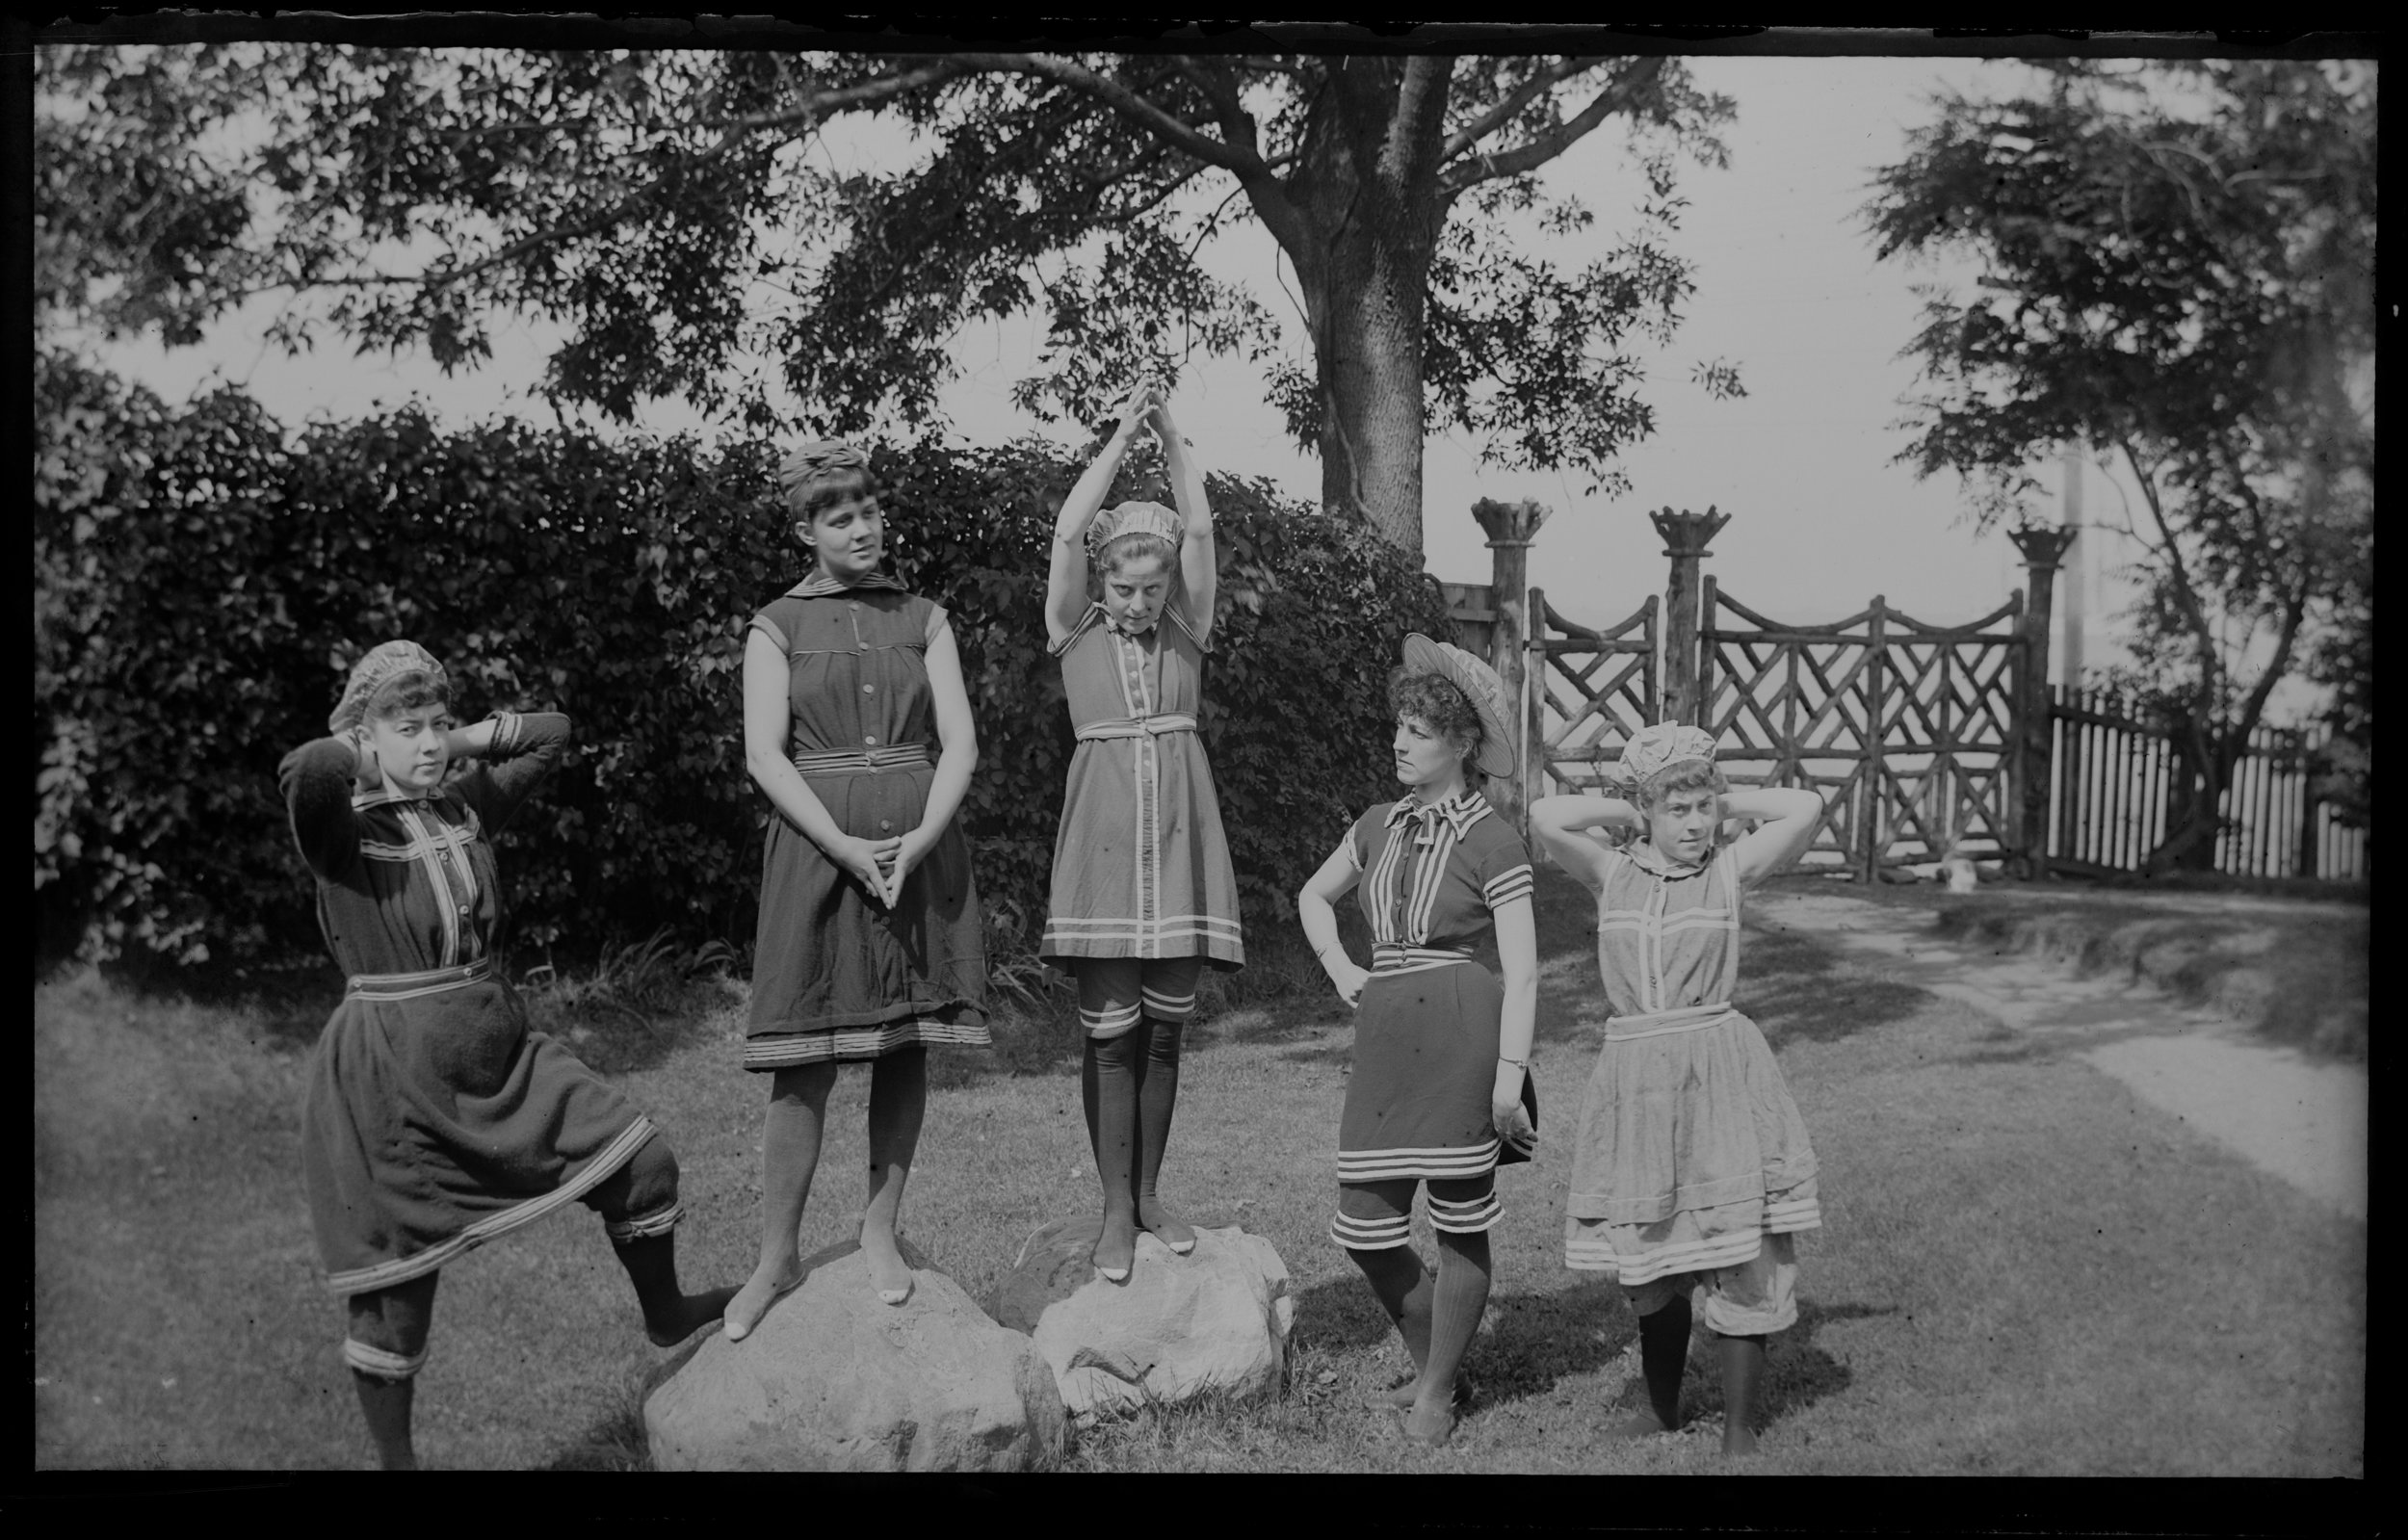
[1657, 1023]
[1153, 726]
[410, 986]
[1390, 958]
[858, 761]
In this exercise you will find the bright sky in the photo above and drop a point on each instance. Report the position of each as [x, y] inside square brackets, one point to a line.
[1786, 288]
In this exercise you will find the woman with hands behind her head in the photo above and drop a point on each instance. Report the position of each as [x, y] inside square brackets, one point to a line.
[871, 944]
[1440, 1086]
[435, 1119]
[1691, 1170]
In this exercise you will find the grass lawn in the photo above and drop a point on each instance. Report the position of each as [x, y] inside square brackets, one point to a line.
[2023, 1271]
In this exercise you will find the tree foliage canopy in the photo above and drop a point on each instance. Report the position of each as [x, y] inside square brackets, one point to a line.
[2178, 273]
[683, 214]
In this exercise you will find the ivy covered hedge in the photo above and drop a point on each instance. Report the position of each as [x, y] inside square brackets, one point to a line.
[202, 580]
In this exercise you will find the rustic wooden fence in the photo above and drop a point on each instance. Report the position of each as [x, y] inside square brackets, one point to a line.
[2114, 769]
[1922, 739]
[1906, 729]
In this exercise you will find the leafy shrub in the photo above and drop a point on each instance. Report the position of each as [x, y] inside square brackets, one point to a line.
[202, 583]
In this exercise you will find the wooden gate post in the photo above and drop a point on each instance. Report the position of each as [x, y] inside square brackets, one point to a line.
[2044, 548]
[1684, 536]
[1510, 526]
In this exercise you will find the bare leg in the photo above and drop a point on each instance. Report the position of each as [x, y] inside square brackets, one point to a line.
[1404, 1288]
[790, 1156]
[1742, 1372]
[1460, 1297]
[1662, 1353]
[1158, 1094]
[1107, 1083]
[393, 1321]
[898, 1098]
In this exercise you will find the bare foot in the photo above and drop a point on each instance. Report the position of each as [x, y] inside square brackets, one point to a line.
[768, 1283]
[693, 1312]
[889, 1273]
[1430, 1425]
[1166, 1226]
[1638, 1424]
[1410, 1391]
[1116, 1250]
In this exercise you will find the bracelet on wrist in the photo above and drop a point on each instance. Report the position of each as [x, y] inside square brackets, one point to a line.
[1517, 1063]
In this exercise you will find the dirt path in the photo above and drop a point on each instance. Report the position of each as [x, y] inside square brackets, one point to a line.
[2301, 1120]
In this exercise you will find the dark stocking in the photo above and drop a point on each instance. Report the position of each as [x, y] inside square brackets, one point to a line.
[1403, 1288]
[1108, 1086]
[1460, 1297]
[1158, 1093]
[1662, 1353]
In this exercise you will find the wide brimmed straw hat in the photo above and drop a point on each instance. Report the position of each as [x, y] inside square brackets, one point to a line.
[1481, 685]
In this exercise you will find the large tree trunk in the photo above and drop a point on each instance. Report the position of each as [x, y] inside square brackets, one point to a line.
[1369, 363]
[1368, 211]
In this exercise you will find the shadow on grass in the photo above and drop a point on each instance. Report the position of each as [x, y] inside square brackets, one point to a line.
[1793, 988]
[289, 1000]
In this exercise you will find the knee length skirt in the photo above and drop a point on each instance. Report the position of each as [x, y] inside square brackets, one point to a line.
[1689, 1152]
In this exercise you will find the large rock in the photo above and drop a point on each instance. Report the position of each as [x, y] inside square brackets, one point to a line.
[1215, 1320]
[833, 1379]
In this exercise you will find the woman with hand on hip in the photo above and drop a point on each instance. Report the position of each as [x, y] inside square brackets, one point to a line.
[869, 944]
[1440, 1090]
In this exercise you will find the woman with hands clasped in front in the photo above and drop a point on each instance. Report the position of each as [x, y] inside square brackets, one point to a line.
[1692, 1170]
[870, 943]
[1439, 1092]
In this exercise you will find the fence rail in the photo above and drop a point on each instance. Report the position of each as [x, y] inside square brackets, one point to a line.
[2114, 768]
[1922, 739]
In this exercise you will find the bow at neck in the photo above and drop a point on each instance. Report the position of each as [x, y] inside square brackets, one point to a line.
[1458, 812]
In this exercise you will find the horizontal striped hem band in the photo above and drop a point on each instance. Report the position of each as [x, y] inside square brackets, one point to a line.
[1372, 1234]
[1596, 1254]
[1167, 1008]
[1168, 929]
[372, 1359]
[1517, 883]
[1466, 1218]
[644, 1226]
[1429, 1164]
[1658, 1023]
[861, 761]
[411, 985]
[401, 1269]
[786, 1050]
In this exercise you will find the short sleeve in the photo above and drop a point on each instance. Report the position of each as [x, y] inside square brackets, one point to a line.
[770, 629]
[937, 620]
[1502, 864]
